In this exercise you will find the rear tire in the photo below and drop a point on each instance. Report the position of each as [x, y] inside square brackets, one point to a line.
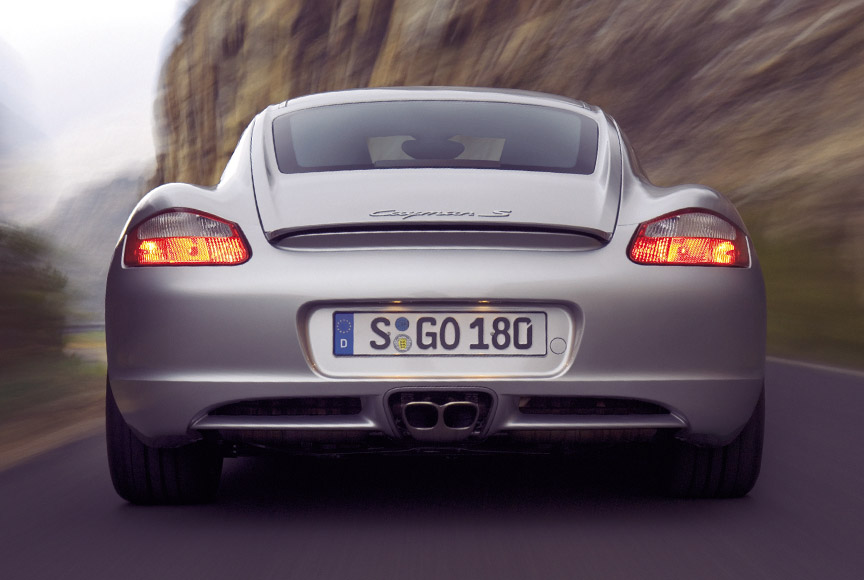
[158, 475]
[718, 472]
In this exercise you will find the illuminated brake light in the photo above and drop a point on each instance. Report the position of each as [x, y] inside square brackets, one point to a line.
[185, 238]
[690, 237]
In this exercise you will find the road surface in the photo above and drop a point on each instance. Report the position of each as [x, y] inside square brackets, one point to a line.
[412, 518]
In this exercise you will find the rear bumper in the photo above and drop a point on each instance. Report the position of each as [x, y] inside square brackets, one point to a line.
[185, 341]
[707, 411]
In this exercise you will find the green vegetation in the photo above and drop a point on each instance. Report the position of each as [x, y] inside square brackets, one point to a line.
[49, 397]
[44, 390]
[815, 310]
[32, 301]
[39, 385]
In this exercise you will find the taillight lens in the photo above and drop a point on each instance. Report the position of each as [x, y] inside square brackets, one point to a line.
[692, 237]
[185, 238]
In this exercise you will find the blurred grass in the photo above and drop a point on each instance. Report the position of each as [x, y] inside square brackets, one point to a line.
[32, 297]
[50, 398]
[94, 339]
[44, 383]
[86, 345]
[815, 304]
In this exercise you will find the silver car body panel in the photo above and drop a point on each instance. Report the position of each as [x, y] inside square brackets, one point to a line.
[183, 341]
[361, 198]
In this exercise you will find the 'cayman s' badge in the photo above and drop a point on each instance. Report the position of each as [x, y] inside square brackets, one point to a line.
[407, 215]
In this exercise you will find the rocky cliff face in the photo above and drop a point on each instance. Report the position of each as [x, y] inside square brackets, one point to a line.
[757, 98]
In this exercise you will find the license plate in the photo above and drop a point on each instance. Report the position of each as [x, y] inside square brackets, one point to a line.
[436, 333]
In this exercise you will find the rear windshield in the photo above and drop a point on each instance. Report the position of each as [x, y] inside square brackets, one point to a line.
[481, 135]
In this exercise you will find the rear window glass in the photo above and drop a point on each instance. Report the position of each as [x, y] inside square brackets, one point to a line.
[483, 135]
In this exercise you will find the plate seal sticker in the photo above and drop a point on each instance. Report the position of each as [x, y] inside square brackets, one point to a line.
[343, 333]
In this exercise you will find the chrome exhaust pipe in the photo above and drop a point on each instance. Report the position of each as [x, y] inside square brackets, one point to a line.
[460, 414]
[421, 415]
[428, 421]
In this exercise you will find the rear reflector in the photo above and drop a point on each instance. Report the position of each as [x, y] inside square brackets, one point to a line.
[185, 238]
[690, 237]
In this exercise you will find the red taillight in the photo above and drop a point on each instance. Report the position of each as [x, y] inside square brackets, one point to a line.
[690, 237]
[185, 238]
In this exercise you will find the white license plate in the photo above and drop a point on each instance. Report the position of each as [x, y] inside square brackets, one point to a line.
[436, 333]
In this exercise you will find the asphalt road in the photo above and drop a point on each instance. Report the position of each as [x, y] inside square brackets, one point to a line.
[409, 518]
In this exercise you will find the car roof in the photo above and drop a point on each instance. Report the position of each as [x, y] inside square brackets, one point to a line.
[430, 93]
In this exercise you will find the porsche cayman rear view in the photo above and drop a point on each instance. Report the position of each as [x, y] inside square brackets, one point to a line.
[437, 270]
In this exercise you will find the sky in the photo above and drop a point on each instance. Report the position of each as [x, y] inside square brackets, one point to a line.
[82, 75]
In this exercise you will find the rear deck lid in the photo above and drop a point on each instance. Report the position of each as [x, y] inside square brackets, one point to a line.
[437, 165]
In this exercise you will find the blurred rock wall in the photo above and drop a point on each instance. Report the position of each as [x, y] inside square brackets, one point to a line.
[760, 99]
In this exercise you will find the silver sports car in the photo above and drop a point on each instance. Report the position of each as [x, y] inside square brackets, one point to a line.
[432, 269]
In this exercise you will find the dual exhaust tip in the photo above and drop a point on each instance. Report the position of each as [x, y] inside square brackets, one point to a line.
[428, 421]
